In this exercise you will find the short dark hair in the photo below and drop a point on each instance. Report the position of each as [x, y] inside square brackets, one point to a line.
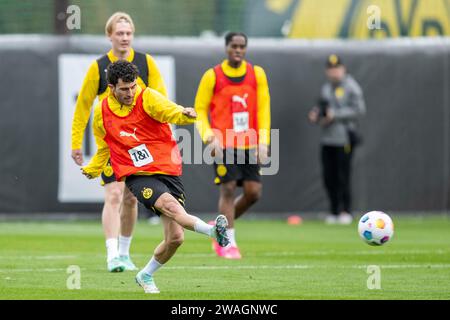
[121, 69]
[229, 37]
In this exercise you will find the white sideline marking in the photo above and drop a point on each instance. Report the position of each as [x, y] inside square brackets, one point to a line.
[375, 251]
[406, 266]
[53, 257]
[255, 267]
[305, 266]
[349, 252]
[316, 253]
[34, 270]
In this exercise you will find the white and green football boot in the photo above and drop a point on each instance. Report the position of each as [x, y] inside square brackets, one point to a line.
[146, 282]
[220, 230]
[129, 265]
[116, 265]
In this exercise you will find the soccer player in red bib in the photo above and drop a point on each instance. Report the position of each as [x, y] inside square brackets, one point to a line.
[131, 126]
[234, 95]
[120, 209]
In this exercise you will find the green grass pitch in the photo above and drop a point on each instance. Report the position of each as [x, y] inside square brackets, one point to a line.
[309, 261]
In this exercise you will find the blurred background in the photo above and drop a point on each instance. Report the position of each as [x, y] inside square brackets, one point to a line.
[397, 50]
[257, 18]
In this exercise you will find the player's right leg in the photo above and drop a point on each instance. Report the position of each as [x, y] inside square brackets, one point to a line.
[128, 217]
[252, 190]
[111, 224]
[170, 207]
[157, 192]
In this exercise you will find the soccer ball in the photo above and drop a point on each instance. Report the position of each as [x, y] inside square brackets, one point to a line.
[376, 228]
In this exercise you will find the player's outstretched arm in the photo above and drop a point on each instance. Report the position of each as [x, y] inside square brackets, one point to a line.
[163, 110]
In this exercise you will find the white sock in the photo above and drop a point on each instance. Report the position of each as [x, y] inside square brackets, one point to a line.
[124, 245]
[202, 227]
[231, 236]
[111, 249]
[152, 266]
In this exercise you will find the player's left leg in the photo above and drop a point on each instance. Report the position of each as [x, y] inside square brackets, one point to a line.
[175, 218]
[128, 217]
[173, 239]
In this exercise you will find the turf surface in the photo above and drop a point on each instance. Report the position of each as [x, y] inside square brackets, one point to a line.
[310, 261]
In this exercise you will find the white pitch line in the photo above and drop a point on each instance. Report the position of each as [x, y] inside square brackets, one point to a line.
[52, 257]
[360, 252]
[314, 253]
[34, 270]
[376, 251]
[255, 267]
[406, 266]
[295, 266]
[398, 266]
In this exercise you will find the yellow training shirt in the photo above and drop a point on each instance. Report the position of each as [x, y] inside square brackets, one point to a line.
[89, 91]
[155, 105]
[206, 90]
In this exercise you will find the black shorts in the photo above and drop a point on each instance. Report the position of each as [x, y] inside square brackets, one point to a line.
[237, 165]
[147, 189]
[107, 175]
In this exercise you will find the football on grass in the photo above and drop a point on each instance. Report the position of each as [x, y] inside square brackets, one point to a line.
[376, 228]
